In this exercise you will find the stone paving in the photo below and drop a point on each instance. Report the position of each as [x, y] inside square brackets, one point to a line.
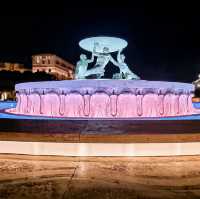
[98, 178]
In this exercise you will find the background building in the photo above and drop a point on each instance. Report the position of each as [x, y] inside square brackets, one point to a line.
[7, 95]
[54, 65]
[7, 66]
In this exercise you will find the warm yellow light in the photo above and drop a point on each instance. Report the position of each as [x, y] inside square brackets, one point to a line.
[100, 149]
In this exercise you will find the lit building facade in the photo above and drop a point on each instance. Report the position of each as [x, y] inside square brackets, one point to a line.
[54, 65]
[7, 95]
[13, 67]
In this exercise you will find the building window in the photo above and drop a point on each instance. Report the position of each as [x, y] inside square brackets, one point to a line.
[38, 60]
[49, 70]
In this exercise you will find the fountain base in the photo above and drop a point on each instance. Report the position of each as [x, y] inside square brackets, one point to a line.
[104, 99]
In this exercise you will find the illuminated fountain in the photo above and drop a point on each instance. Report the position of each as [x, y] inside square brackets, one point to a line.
[92, 116]
[124, 96]
[106, 99]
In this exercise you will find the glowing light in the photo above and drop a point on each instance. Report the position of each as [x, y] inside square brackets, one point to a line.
[100, 149]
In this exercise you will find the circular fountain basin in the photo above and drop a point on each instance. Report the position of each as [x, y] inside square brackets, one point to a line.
[112, 43]
[104, 98]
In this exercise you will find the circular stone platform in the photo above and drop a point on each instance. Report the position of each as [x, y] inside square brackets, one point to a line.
[113, 43]
[104, 98]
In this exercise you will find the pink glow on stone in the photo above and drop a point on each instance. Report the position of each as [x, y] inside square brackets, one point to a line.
[105, 99]
[175, 105]
[74, 105]
[160, 105]
[17, 109]
[126, 105]
[100, 105]
[62, 105]
[33, 104]
[167, 104]
[183, 104]
[23, 103]
[86, 105]
[139, 105]
[113, 105]
[149, 105]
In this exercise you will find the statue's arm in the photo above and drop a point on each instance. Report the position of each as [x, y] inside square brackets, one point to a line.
[93, 54]
[118, 55]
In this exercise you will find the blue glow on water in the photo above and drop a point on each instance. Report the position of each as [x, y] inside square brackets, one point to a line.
[12, 104]
[7, 104]
[196, 105]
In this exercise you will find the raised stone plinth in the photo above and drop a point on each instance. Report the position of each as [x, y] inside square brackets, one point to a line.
[104, 98]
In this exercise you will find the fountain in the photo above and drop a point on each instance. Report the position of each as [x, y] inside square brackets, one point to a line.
[123, 96]
[94, 116]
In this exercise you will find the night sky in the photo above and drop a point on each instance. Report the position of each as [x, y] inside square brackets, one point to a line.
[164, 38]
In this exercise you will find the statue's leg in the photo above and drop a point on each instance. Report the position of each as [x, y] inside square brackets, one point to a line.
[98, 76]
[98, 71]
[130, 74]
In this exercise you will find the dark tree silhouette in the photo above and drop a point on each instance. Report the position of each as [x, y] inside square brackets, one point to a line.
[9, 79]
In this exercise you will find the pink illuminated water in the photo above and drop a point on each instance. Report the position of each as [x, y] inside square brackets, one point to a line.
[104, 99]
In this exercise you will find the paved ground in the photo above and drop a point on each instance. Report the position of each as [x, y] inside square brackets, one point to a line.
[99, 178]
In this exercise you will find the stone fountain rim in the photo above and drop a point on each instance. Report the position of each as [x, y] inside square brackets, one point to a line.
[105, 83]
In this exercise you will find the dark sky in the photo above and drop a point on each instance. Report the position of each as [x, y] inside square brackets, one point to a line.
[164, 38]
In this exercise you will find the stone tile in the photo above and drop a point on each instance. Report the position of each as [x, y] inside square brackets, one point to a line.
[98, 177]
